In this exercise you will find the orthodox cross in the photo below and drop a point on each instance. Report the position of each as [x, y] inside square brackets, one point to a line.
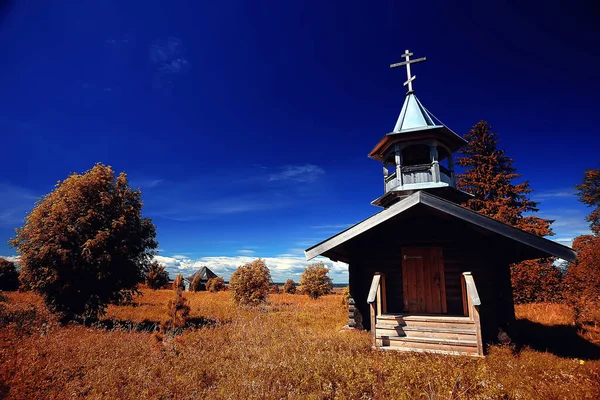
[408, 61]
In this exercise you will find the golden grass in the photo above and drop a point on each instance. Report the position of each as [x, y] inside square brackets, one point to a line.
[291, 348]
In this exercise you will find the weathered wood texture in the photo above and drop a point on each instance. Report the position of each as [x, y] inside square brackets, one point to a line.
[424, 286]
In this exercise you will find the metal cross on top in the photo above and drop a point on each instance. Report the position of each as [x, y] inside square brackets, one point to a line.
[408, 61]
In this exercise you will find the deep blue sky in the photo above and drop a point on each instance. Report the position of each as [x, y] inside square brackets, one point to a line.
[247, 124]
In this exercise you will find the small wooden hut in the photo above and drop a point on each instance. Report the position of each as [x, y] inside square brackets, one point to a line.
[205, 274]
[427, 274]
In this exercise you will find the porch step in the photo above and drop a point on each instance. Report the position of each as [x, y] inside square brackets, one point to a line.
[391, 321]
[427, 344]
[464, 330]
[414, 349]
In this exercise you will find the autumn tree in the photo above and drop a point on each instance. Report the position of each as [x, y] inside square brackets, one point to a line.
[157, 277]
[9, 276]
[315, 281]
[178, 283]
[86, 244]
[289, 287]
[582, 280]
[250, 283]
[589, 193]
[215, 284]
[488, 175]
[196, 285]
[583, 277]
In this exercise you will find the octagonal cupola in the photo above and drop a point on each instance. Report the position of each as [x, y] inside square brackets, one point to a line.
[418, 153]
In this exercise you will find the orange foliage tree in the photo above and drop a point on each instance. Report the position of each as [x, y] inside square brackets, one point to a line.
[86, 244]
[589, 193]
[250, 283]
[289, 286]
[583, 277]
[315, 281]
[215, 284]
[157, 277]
[488, 176]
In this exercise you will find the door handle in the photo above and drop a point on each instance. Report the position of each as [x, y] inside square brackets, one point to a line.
[409, 257]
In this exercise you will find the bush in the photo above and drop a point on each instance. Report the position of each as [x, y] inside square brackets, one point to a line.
[250, 283]
[582, 280]
[178, 283]
[536, 281]
[215, 284]
[197, 285]
[289, 287]
[178, 310]
[86, 244]
[275, 289]
[315, 281]
[346, 296]
[9, 276]
[157, 277]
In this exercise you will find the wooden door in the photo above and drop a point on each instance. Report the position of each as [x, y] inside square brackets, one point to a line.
[424, 286]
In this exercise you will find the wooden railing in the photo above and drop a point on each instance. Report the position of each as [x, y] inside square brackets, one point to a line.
[377, 301]
[471, 303]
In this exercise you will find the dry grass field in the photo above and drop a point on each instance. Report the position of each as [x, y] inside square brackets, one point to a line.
[290, 348]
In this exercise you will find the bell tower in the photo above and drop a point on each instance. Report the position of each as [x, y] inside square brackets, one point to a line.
[418, 153]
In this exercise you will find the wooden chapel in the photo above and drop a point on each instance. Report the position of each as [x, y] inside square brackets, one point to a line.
[425, 273]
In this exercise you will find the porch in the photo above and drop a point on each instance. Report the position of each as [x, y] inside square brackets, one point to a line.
[437, 333]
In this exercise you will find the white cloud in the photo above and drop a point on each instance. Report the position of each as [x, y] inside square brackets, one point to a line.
[283, 267]
[298, 173]
[12, 258]
[551, 194]
[15, 202]
[245, 252]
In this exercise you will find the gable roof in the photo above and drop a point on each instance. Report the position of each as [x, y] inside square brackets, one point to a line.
[540, 245]
[205, 274]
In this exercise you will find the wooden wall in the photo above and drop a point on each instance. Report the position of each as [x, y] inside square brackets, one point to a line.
[491, 275]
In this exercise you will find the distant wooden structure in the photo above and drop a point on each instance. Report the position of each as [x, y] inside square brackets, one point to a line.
[205, 274]
[425, 273]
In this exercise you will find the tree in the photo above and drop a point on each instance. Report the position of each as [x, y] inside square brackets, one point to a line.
[589, 193]
[157, 277]
[86, 244]
[178, 283]
[315, 281]
[289, 287]
[536, 281]
[275, 289]
[488, 176]
[197, 285]
[9, 276]
[215, 284]
[582, 280]
[250, 283]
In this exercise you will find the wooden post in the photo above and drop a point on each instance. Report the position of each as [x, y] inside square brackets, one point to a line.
[473, 303]
[435, 165]
[383, 294]
[398, 160]
[464, 296]
[373, 324]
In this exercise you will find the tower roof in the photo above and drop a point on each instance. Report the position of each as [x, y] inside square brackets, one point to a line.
[414, 116]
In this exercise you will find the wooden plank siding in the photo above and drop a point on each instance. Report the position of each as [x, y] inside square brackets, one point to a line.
[490, 273]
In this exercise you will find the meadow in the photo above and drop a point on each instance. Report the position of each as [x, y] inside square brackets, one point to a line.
[293, 347]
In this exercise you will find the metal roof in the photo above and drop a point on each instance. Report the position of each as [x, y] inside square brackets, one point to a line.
[541, 247]
[414, 116]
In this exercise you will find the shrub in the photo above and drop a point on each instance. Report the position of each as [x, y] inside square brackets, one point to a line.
[197, 285]
[250, 283]
[289, 286]
[178, 283]
[215, 284]
[86, 244]
[275, 289]
[345, 295]
[157, 277]
[9, 276]
[536, 281]
[582, 280]
[178, 311]
[315, 281]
